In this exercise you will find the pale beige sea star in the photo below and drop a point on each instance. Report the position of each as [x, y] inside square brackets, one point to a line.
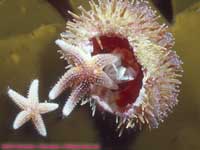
[85, 71]
[31, 108]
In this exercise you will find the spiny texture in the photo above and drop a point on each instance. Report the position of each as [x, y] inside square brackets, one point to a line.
[86, 71]
[149, 42]
[118, 17]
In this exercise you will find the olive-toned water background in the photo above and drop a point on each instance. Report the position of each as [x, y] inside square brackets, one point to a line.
[28, 29]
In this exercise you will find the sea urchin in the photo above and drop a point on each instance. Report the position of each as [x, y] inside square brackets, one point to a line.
[135, 73]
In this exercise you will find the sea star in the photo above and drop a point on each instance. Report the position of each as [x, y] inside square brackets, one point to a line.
[85, 72]
[31, 108]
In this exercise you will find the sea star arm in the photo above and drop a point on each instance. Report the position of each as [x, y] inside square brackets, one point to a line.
[74, 98]
[19, 100]
[102, 79]
[47, 107]
[66, 80]
[72, 54]
[102, 60]
[39, 124]
[33, 92]
[21, 118]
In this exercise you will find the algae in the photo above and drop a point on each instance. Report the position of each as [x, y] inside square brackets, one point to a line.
[28, 51]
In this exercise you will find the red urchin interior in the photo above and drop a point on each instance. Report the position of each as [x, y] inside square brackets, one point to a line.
[128, 91]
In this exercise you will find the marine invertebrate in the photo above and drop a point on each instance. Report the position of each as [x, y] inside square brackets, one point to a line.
[87, 72]
[31, 108]
[147, 68]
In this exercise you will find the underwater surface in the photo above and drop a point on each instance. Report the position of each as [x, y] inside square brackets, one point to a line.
[28, 30]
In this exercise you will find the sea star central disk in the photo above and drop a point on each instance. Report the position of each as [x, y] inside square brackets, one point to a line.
[140, 81]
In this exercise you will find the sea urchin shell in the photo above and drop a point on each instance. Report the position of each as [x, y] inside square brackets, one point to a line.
[145, 70]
